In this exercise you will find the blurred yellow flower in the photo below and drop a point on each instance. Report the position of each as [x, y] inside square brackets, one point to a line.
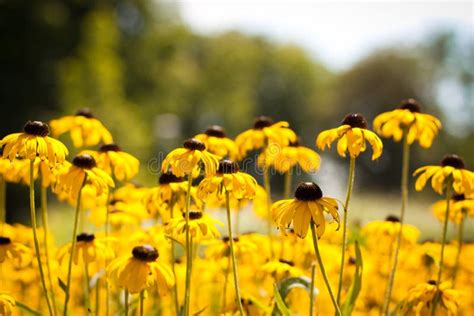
[419, 299]
[17, 252]
[461, 207]
[201, 227]
[385, 232]
[89, 248]
[7, 303]
[217, 143]
[281, 269]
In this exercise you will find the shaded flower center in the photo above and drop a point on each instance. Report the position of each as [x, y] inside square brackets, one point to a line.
[352, 260]
[5, 240]
[194, 215]
[36, 128]
[290, 263]
[453, 161]
[168, 177]
[226, 239]
[458, 197]
[145, 253]
[392, 218]
[262, 122]
[110, 147]
[227, 166]
[432, 282]
[194, 144]
[216, 131]
[308, 191]
[84, 161]
[296, 143]
[355, 120]
[86, 112]
[85, 237]
[411, 105]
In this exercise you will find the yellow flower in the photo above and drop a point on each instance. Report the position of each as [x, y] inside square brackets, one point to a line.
[71, 179]
[7, 303]
[201, 227]
[308, 204]
[263, 133]
[285, 158]
[84, 128]
[385, 232]
[282, 269]
[185, 161]
[34, 142]
[141, 271]
[169, 193]
[460, 207]
[221, 248]
[218, 143]
[228, 179]
[419, 299]
[115, 162]
[421, 127]
[89, 248]
[452, 166]
[14, 251]
[352, 136]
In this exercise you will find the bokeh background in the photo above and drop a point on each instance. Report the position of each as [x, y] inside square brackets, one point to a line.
[157, 72]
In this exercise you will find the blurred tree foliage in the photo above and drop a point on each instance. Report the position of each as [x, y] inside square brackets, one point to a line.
[131, 60]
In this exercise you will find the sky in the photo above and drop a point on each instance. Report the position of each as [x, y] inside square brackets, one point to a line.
[338, 32]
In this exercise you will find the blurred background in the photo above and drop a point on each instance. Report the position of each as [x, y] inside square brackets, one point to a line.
[157, 72]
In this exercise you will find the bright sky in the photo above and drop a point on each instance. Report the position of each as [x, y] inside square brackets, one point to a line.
[338, 32]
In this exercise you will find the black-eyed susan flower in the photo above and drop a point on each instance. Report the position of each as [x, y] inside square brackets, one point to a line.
[308, 204]
[32, 143]
[228, 178]
[141, 271]
[71, 178]
[220, 248]
[452, 167]
[460, 207]
[7, 304]
[17, 252]
[185, 161]
[201, 227]
[117, 163]
[352, 136]
[263, 133]
[89, 249]
[84, 128]
[420, 299]
[281, 268]
[217, 142]
[407, 118]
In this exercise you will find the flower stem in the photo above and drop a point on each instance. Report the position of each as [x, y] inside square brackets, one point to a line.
[173, 268]
[107, 232]
[288, 182]
[86, 288]
[35, 237]
[44, 219]
[404, 191]
[232, 253]
[449, 184]
[126, 302]
[321, 267]
[73, 247]
[458, 254]
[141, 302]
[266, 184]
[189, 251]
[311, 290]
[350, 185]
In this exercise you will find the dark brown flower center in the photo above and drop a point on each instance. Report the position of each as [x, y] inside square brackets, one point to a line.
[352, 260]
[84, 161]
[168, 177]
[453, 161]
[355, 120]
[36, 128]
[227, 166]
[288, 262]
[86, 112]
[432, 282]
[308, 191]
[5, 240]
[216, 131]
[262, 122]
[458, 197]
[296, 143]
[411, 105]
[226, 239]
[85, 237]
[194, 215]
[145, 253]
[109, 147]
[392, 218]
[194, 144]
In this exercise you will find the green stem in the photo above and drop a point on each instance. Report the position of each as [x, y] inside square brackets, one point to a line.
[288, 182]
[189, 253]
[266, 184]
[35, 237]
[173, 268]
[44, 219]
[86, 288]
[321, 267]
[126, 302]
[350, 186]
[107, 232]
[232, 253]
[141, 302]
[458, 254]
[449, 185]
[73, 247]
[311, 290]
[404, 191]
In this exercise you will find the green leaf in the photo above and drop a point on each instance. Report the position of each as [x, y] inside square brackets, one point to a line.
[280, 303]
[286, 285]
[266, 309]
[62, 285]
[354, 291]
[27, 308]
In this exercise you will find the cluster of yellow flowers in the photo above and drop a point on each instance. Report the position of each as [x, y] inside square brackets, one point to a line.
[161, 250]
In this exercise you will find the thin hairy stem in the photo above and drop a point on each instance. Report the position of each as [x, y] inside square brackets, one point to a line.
[458, 253]
[189, 251]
